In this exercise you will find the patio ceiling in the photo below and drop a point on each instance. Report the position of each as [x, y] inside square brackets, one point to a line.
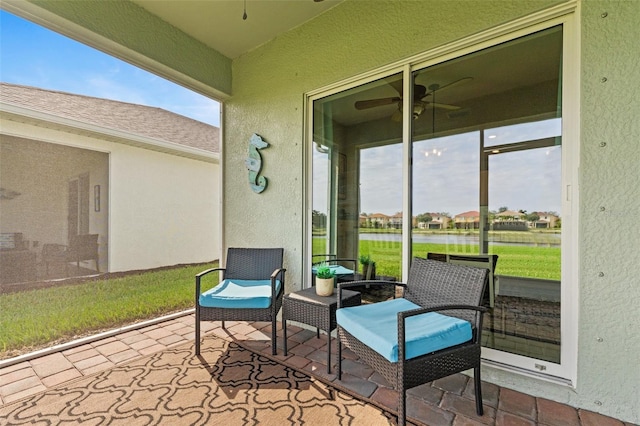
[219, 24]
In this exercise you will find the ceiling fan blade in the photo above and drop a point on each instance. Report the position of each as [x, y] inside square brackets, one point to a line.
[444, 106]
[437, 88]
[372, 103]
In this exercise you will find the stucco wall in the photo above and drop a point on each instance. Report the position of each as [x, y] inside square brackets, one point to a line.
[609, 340]
[162, 209]
[268, 87]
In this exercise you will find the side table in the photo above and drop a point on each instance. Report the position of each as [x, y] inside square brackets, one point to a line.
[307, 307]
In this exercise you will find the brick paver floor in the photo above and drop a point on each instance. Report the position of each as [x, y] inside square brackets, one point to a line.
[448, 401]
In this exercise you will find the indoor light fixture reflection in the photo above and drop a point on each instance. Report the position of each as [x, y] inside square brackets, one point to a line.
[433, 152]
[418, 108]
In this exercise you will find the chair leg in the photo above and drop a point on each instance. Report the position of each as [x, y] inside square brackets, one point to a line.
[402, 405]
[478, 389]
[274, 341]
[197, 332]
[339, 358]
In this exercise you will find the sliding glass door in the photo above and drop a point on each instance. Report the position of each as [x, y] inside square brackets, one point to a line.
[459, 159]
[357, 175]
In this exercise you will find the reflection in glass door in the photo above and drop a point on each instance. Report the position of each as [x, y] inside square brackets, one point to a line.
[357, 175]
[480, 171]
[486, 183]
[524, 193]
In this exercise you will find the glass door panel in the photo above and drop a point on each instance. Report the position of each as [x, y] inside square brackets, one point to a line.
[486, 182]
[445, 195]
[524, 180]
[357, 175]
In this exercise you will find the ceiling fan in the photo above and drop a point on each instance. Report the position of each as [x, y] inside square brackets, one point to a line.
[420, 92]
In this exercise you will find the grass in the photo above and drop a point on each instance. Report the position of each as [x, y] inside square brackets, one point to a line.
[42, 317]
[39, 317]
[515, 260]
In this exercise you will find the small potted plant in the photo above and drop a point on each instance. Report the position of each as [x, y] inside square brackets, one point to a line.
[368, 267]
[324, 280]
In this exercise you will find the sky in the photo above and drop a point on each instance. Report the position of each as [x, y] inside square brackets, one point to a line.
[31, 55]
[446, 176]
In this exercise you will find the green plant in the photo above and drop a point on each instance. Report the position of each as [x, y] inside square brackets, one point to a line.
[324, 272]
[365, 260]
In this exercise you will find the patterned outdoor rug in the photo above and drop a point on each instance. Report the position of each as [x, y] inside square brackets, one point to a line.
[229, 385]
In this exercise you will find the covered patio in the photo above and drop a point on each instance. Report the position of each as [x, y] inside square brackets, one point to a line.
[447, 401]
[296, 72]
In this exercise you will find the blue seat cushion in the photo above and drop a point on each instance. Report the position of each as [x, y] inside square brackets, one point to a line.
[239, 294]
[337, 270]
[376, 325]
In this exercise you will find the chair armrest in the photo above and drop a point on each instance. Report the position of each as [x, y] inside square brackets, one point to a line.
[407, 314]
[402, 316]
[202, 274]
[277, 272]
[208, 271]
[369, 282]
[274, 277]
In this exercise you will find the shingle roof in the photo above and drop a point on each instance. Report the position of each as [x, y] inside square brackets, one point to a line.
[130, 118]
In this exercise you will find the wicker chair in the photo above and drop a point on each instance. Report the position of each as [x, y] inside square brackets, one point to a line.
[445, 293]
[344, 269]
[488, 261]
[250, 289]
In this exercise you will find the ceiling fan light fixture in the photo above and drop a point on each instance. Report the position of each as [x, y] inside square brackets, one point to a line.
[418, 108]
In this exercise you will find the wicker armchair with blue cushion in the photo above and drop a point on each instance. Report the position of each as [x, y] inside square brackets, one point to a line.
[343, 269]
[250, 289]
[431, 332]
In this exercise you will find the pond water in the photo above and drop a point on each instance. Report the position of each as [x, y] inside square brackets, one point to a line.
[545, 239]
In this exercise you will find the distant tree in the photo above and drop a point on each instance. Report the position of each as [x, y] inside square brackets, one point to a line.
[532, 217]
[503, 209]
[424, 217]
[319, 219]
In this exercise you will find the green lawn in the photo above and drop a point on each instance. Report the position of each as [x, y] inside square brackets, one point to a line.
[38, 317]
[515, 260]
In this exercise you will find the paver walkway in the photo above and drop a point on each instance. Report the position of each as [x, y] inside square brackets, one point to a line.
[447, 401]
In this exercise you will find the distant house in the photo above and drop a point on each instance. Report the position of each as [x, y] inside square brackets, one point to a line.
[395, 221]
[438, 221]
[379, 220]
[467, 220]
[510, 220]
[509, 215]
[144, 180]
[546, 220]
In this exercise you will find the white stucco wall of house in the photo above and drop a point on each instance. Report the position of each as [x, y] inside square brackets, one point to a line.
[268, 88]
[162, 209]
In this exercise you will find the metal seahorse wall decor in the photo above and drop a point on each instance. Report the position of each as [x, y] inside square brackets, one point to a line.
[254, 164]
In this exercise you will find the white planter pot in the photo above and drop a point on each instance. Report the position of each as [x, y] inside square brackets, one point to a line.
[324, 286]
